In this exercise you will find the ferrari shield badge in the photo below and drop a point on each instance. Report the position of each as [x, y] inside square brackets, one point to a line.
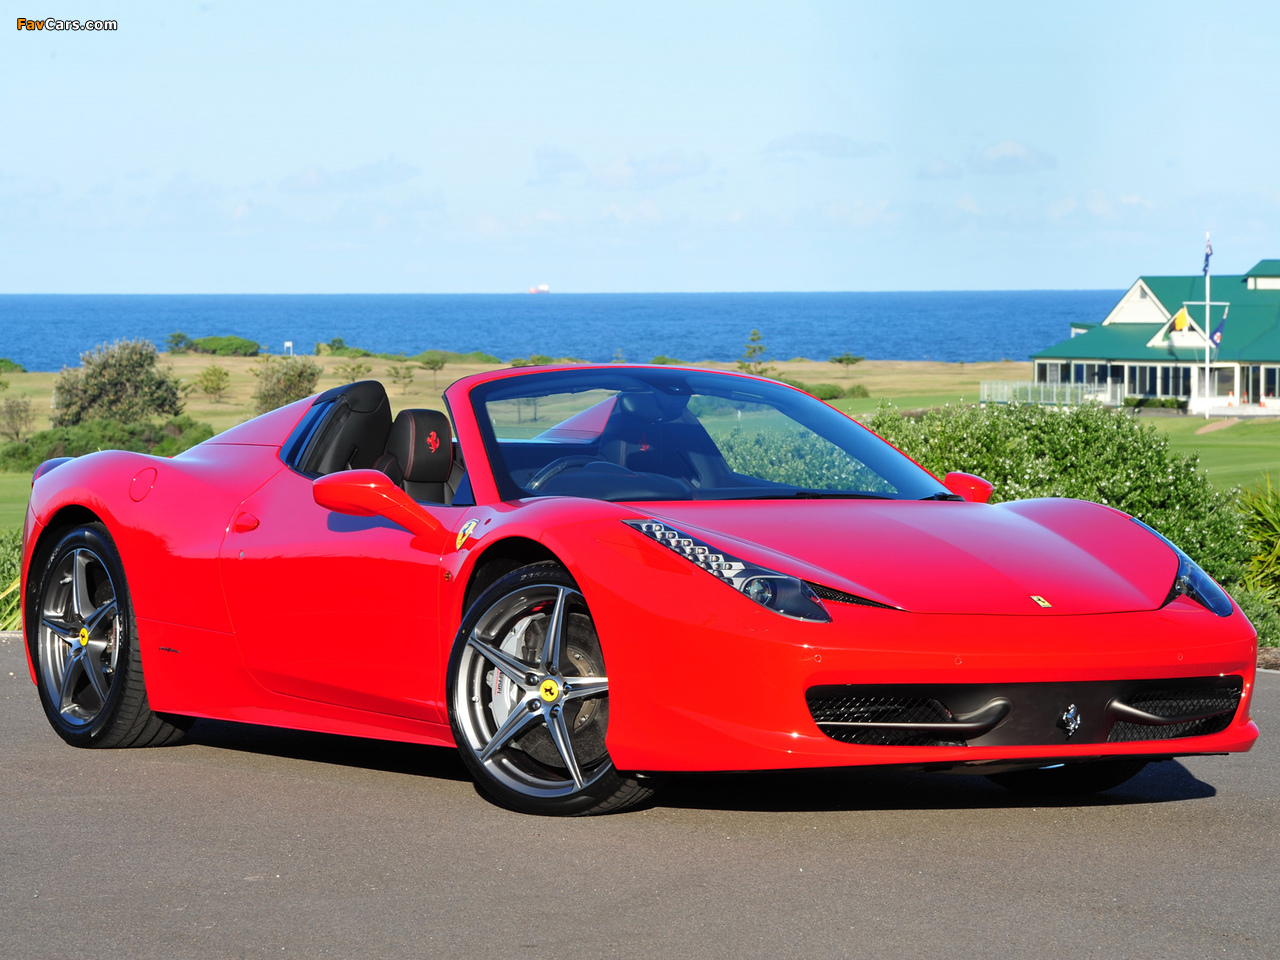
[1041, 601]
[467, 529]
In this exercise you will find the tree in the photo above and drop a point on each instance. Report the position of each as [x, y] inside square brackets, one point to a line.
[118, 381]
[847, 359]
[434, 364]
[753, 357]
[214, 382]
[352, 371]
[177, 342]
[401, 374]
[284, 381]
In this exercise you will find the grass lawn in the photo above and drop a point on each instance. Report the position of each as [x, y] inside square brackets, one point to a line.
[15, 488]
[1242, 453]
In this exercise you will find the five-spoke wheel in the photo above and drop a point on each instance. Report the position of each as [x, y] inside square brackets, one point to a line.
[529, 698]
[84, 647]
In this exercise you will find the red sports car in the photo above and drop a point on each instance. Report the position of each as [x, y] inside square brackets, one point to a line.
[586, 577]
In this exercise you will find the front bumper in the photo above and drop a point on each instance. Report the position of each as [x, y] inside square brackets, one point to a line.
[707, 680]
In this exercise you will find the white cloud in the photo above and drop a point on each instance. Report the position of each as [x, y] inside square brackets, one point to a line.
[552, 163]
[830, 146]
[643, 173]
[939, 170]
[382, 173]
[1010, 156]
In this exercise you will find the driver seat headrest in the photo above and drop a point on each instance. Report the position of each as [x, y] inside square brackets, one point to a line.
[422, 443]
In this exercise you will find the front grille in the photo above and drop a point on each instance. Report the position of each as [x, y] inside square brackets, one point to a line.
[839, 596]
[1180, 701]
[842, 708]
[1105, 711]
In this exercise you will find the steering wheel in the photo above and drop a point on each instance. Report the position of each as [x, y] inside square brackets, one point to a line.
[557, 467]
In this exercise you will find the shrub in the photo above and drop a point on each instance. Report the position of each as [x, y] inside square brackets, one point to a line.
[533, 360]
[1261, 509]
[857, 390]
[226, 346]
[214, 382]
[1090, 453]
[10, 571]
[284, 381]
[823, 391]
[664, 360]
[847, 359]
[160, 439]
[118, 382]
[8, 366]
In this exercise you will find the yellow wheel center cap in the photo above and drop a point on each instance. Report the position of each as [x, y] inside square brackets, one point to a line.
[549, 690]
[84, 637]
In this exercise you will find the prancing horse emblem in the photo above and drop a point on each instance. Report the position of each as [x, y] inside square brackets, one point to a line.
[1070, 720]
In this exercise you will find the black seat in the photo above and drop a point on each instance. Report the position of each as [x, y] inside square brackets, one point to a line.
[419, 456]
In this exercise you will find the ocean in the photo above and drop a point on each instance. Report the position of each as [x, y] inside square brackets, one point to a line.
[47, 332]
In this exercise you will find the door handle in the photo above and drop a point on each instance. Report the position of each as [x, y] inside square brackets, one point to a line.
[245, 522]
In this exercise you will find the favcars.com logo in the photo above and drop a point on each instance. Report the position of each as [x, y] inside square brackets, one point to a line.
[49, 23]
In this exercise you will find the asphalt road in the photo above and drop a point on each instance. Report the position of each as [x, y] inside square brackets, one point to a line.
[248, 842]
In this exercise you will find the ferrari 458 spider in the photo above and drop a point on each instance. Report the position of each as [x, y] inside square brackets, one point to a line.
[586, 577]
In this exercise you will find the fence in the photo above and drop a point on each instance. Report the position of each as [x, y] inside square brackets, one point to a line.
[1025, 391]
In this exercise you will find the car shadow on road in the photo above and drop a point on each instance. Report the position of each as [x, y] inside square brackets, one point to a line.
[887, 789]
[415, 759]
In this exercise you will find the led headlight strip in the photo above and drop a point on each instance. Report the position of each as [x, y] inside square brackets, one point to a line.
[783, 594]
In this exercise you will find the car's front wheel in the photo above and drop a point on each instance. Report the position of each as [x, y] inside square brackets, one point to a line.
[84, 645]
[1070, 779]
[529, 699]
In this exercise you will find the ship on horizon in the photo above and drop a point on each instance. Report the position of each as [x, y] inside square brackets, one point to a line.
[540, 288]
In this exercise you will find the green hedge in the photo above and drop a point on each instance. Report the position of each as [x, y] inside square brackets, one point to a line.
[1092, 453]
[226, 346]
[160, 439]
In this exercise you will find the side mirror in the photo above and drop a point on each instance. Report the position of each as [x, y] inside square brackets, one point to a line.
[370, 493]
[974, 489]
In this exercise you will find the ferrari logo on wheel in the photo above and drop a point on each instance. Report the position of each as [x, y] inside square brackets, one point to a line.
[84, 637]
[549, 690]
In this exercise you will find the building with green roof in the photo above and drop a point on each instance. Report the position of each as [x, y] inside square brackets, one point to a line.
[1152, 344]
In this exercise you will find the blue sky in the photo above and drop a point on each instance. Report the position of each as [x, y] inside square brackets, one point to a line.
[228, 147]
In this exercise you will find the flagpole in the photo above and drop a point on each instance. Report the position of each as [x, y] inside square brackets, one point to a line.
[1207, 307]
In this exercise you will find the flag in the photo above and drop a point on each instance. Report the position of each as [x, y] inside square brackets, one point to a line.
[1180, 320]
[1216, 337]
[1208, 252]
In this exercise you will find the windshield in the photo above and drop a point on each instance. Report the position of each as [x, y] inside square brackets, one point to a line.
[642, 434]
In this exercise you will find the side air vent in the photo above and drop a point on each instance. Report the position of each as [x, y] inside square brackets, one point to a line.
[839, 596]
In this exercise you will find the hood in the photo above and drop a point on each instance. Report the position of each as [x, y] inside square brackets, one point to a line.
[948, 556]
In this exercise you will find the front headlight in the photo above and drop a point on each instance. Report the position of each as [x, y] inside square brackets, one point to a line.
[1193, 582]
[779, 592]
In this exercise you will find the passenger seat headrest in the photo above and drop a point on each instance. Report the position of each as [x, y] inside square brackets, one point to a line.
[422, 442]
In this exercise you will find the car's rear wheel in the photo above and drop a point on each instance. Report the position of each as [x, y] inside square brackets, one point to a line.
[1070, 779]
[85, 648]
[529, 699]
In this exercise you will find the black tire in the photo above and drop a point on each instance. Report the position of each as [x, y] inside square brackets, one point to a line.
[550, 758]
[1071, 779]
[80, 627]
